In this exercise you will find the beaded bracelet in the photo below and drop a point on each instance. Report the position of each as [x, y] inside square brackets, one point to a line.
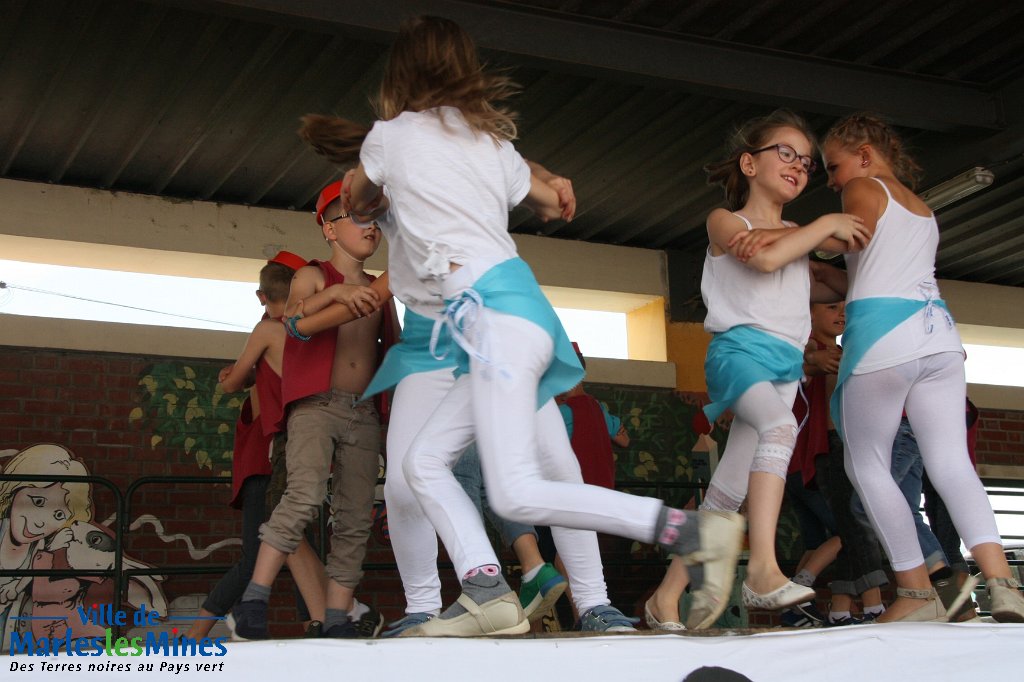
[289, 325]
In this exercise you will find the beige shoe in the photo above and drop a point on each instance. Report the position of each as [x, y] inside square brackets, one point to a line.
[1007, 601]
[780, 598]
[932, 611]
[500, 616]
[663, 625]
[721, 538]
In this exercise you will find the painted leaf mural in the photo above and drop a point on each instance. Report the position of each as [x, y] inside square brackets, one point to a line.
[184, 407]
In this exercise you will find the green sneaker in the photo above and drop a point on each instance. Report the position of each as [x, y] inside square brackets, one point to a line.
[537, 595]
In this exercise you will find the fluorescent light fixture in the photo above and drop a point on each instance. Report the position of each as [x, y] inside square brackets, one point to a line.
[955, 189]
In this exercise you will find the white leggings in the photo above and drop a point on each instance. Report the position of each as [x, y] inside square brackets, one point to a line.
[763, 409]
[412, 537]
[932, 389]
[530, 471]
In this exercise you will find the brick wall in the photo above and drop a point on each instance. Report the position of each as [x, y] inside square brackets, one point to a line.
[92, 403]
[127, 417]
[1000, 438]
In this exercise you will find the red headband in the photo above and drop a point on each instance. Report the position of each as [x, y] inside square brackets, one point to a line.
[289, 260]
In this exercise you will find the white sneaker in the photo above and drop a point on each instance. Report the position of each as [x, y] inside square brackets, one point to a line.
[500, 616]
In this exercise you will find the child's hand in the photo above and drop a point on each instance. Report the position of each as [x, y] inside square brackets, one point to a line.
[827, 359]
[747, 244]
[360, 300]
[225, 373]
[848, 228]
[566, 196]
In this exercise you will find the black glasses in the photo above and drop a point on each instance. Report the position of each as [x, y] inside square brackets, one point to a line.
[372, 225]
[789, 155]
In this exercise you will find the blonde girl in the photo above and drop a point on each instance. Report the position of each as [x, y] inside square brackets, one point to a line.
[902, 352]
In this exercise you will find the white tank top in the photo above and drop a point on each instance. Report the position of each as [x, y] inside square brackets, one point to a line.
[899, 261]
[774, 302]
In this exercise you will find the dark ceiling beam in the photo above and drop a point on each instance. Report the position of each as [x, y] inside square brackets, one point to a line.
[575, 44]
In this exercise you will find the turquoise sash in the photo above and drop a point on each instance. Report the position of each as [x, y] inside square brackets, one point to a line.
[741, 357]
[411, 355]
[867, 321]
[510, 288]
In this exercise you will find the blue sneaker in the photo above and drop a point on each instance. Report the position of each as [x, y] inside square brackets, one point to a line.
[407, 622]
[606, 618]
[804, 615]
[346, 630]
[844, 621]
[370, 623]
[250, 620]
[538, 594]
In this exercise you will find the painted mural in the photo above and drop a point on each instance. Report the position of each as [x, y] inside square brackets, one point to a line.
[49, 525]
[185, 408]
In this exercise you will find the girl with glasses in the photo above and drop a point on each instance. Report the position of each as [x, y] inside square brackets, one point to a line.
[756, 286]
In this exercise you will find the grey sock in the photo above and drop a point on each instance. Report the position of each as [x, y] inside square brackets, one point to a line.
[677, 531]
[805, 578]
[334, 617]
[254, 592]
[482, 584]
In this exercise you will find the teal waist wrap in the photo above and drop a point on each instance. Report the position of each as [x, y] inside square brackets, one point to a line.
[411, 355]
[867, 321]
[510, 288]
[741, 357]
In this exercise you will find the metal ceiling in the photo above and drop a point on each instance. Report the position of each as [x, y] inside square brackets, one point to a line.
[200, 99]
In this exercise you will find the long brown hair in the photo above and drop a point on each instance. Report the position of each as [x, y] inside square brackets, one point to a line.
[868, 128]
[434, 63]
[746, 138]
[336, 139]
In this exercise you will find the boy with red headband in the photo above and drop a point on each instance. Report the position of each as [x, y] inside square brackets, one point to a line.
[324, 375]
[259, 435]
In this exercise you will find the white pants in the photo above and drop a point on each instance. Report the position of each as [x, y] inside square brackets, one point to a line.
[530, 471]
[412, 537]
[762, 407]
[933, 391]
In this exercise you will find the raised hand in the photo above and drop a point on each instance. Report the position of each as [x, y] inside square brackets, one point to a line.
[566, 196]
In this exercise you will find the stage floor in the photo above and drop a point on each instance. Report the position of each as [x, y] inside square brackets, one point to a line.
[901, 651]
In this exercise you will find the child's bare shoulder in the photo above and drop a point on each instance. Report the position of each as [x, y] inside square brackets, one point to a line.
[269, 330]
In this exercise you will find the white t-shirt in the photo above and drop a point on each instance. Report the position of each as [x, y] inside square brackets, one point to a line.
[774, 302]
[450, 189]
[899, 261]
[423, 297]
